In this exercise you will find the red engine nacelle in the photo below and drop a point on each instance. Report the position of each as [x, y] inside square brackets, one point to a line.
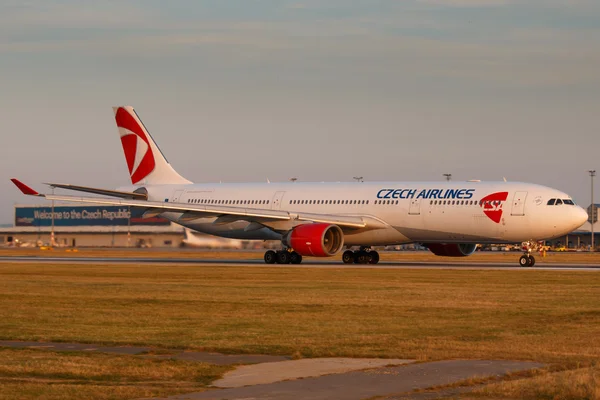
[452, 249]
[317, 240]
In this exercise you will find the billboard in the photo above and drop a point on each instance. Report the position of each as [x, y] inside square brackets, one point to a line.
[84, 216]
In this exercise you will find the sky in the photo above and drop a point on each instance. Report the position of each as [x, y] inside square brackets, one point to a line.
[250, 90]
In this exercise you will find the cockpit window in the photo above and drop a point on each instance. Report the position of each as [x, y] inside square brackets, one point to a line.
[569, 202]
[551, 202]
[558, 202]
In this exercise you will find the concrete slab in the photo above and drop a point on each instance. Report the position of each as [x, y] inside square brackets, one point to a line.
[296, 369]
[358, 385]
[199, 356]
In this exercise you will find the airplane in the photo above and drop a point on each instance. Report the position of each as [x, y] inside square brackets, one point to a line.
[322, 219]
[209, 241]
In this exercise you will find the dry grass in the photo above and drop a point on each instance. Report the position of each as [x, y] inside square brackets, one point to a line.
[41, 374]
[578, 384]
[548, 316]
[425, 314]
[400, 256]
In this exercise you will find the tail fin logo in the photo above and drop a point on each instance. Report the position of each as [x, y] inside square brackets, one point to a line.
[492, 205]
[136, 146]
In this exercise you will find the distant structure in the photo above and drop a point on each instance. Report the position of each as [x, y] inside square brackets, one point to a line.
[358, 178]
[448, 177]
[66, 225]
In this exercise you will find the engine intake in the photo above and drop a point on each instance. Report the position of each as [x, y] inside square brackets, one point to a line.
[451, 249]
[317, 240]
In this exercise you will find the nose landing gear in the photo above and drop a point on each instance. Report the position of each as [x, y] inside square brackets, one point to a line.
[527, 260]
[363, 256]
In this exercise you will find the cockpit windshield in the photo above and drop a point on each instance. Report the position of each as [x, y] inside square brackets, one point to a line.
[560, 202]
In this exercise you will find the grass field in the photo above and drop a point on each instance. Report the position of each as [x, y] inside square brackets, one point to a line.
[547, 316]
[39, 374]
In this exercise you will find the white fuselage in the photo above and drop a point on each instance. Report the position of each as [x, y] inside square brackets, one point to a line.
[428, 212]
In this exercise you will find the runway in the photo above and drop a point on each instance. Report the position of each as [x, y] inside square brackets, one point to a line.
[310, 264]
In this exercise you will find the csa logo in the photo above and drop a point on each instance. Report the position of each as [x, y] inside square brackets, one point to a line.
[136, 146]
[492, 205]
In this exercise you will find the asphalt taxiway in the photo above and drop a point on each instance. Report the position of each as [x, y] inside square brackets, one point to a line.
[306, 264]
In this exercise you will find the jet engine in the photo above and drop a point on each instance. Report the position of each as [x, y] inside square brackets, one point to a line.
[452, 249]
[317, 240]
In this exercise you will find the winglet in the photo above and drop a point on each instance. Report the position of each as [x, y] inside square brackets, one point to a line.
[24, 188]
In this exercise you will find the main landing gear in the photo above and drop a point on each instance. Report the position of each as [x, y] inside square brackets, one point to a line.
[363, 256]
[527, 260]
[286, 256]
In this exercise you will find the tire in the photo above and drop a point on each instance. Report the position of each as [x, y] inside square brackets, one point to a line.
[295, 258]
[524, 261]
[531, 261]
[361, 257]
[374, 259]
[348, 257]
[270, 257]
[283, 257]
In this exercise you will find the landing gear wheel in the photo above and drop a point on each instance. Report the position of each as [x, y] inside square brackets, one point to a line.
[270, 257]
[531, 261]
[374, 257]
[348, 257]
[295, 258]
[283, 257]
[361, 257]
[524, 261]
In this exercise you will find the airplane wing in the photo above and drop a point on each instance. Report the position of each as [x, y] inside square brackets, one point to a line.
[224, 214]
[112, 193]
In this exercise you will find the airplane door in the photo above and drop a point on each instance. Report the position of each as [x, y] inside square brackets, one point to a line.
[518, 204]
[176, 196]
[277, 198]
[415, 207]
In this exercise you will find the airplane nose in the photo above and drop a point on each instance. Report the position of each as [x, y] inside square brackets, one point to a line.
[580, 217]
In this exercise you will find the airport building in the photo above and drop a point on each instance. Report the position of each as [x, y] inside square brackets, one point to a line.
[88, 226]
